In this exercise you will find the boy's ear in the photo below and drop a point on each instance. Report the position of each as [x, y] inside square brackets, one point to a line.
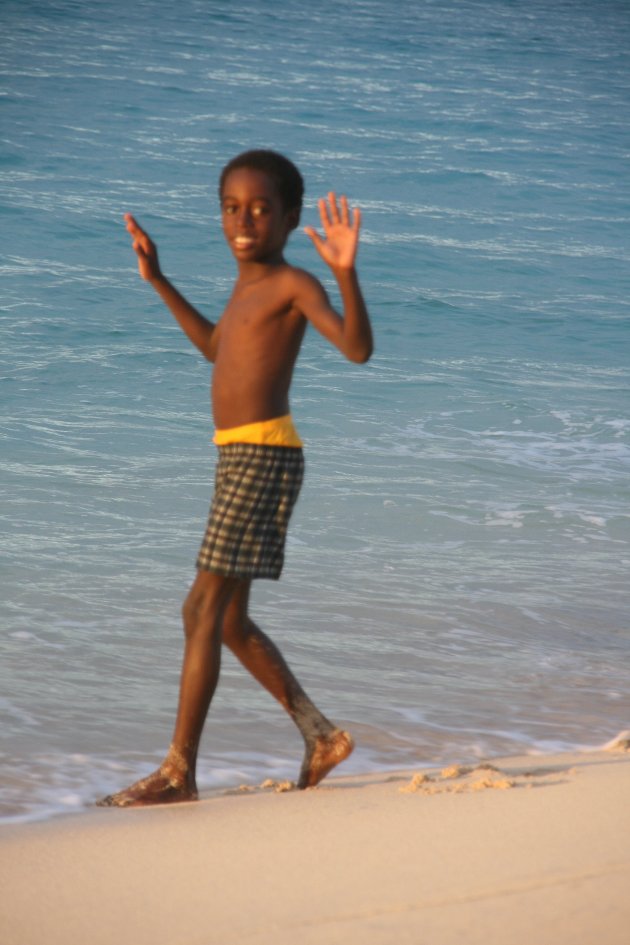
[293, 218]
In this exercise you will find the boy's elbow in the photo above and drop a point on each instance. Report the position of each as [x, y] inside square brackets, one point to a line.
[361, 355]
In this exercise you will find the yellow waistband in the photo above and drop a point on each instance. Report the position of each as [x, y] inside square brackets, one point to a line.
[276, 432]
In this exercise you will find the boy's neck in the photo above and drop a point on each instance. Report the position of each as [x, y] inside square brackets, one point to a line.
[252, 271]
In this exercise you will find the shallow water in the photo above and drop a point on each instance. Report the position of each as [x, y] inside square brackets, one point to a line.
[456, 579]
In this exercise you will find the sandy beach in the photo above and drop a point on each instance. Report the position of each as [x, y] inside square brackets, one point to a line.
[516, 850]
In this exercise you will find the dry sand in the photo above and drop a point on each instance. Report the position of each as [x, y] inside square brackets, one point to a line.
[524, 850]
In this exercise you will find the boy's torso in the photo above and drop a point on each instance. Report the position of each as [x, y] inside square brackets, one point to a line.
[259, 338]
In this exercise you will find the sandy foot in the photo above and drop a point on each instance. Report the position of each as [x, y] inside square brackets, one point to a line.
[158, 788]
[325, 755]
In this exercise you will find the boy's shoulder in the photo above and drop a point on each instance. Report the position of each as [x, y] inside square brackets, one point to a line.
[299, 280]
[305, 292]
[288, 288]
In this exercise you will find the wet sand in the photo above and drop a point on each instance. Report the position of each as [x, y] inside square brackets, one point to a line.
[513, 851]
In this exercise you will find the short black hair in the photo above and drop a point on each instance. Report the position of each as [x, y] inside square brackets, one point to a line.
[283, 172]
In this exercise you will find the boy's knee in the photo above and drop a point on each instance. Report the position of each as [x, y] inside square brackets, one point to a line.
[202, 607]
[235, 624]
[232, 630]
[206, 605]
[189, 614]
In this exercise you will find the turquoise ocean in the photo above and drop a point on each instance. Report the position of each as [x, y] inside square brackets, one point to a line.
[456, 583]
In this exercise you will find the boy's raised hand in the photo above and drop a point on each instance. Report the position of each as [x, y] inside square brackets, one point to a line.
[339, 247]
[144, 247]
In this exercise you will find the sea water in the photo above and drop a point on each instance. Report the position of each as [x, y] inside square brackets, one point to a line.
[456, 581]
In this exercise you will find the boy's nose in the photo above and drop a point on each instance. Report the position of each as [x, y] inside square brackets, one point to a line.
[245, 217]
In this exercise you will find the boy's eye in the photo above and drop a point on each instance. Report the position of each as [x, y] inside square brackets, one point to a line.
[258, 210]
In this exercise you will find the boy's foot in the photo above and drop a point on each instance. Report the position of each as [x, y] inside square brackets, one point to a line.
[327, 752]
[158, 788]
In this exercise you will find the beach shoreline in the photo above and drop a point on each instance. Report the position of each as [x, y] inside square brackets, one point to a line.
[514, 850]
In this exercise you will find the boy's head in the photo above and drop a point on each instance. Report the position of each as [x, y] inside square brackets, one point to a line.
[282, 172]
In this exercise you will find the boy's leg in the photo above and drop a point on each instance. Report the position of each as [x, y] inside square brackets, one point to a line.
[325, 745]
[203, 613]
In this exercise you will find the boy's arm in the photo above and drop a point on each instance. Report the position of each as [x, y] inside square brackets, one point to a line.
[199, 330]
[352, 334]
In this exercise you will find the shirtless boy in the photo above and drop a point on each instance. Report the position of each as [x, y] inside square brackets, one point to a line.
[254, 347]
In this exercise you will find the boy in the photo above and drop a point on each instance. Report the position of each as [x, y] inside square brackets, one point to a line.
[254, 347]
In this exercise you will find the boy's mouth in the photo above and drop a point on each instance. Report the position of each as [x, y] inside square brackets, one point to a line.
[243, 242]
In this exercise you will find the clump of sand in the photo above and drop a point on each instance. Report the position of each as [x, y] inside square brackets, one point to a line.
[280, 787]
[467, 780]
[455, 771]
[459, 779]
[499, 784]
[417, 782]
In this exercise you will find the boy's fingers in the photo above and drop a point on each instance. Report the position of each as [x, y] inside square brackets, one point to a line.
[334, 211]
[323, 213]
[345, 214]
[314, 235]
[330, 214]
[141, 241]
[134, 228]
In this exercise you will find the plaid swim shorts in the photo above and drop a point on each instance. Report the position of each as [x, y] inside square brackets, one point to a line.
[256, 488]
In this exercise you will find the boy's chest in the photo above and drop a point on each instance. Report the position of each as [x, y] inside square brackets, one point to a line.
[254, 306]
[259, 326]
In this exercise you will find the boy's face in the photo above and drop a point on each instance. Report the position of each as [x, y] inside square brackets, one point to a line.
[255, 223]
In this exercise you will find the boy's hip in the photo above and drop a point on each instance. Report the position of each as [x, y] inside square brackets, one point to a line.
[242, 462]
[278, 431]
